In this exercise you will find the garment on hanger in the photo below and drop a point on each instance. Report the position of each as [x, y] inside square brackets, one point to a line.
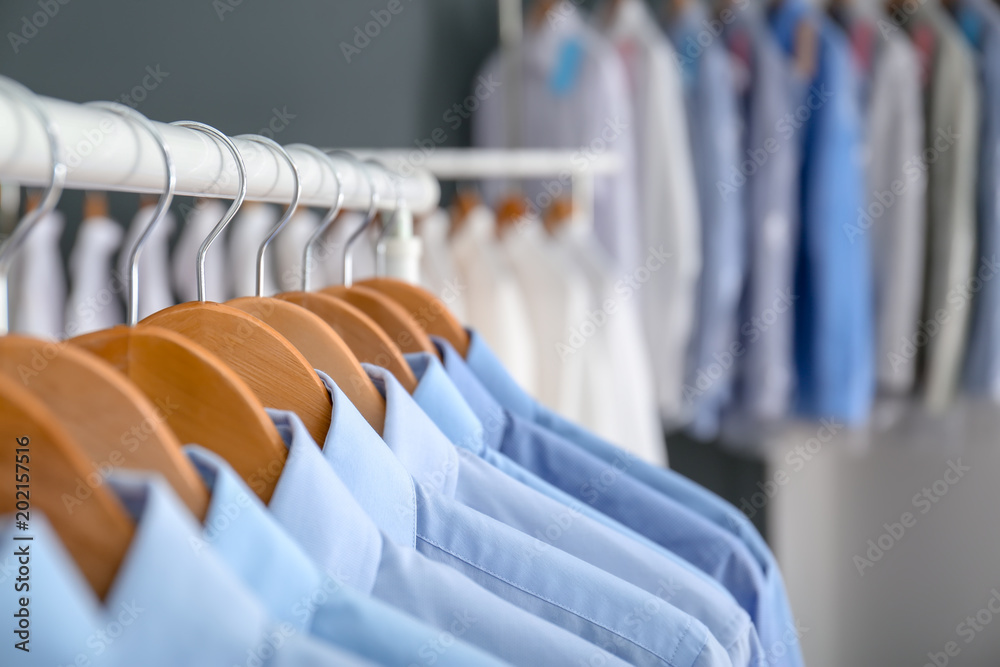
[200, 222]
[193, 593]
[982, 362]
[487, 489]
[668, 197]
[314, 506]
[155, 291]
[894, 216]
[94, 300]
[710, 99]
[564, 454]
[619, 378]
[572, 92]
[289, 246]
[548, 582]
[951, 136]
[556, 297]
[282, 576]
[39, 302]
[770, 192]
[494, 301]
[251, 226]
[330, 253]
[834, 333]
[438, 270]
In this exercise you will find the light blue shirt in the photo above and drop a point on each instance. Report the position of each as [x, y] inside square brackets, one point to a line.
[486, 489]
[180, 605]
[770, 194]
[239, 529]
[980, 22]
[771, 612]
[605, 610]
[314, 506]
[63, 612]
[834, 328]
[710, 99]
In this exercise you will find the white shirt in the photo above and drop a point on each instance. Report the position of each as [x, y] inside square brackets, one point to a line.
[668, 195]
[95, 298]
[286, 250]
[245, 234]
[438, 271]
[155, 292]
[896, 135]
[38, 282]
[557, 297]
[201, 220]
[573, 95]
[330, 254]
[495, 306]
[621, 383]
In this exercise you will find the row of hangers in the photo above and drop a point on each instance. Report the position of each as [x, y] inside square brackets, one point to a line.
[198, 372]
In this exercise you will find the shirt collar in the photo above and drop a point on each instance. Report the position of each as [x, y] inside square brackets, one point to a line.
[315, 507]
[164, 582]
[419, 445]
[441, 400]
[374, 476]
[250, 541]
[64, 610]
[491, 372]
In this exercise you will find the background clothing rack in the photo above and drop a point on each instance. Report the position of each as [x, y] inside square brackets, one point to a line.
[477, 163]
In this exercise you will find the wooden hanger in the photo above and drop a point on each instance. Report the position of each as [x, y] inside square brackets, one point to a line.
[271, 366]
[368, 342]
[208, 403]
[510, 211]
[324, 349]
[429, 311]
[97, 532]
[114, 423]
[558, 214]
[466, 199]
[95, 205]
[204, 401]
[392, 318]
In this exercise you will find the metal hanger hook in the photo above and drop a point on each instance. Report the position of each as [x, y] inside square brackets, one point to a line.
[293, 205]
[314, 240]
[50, 197]
[373, 202]
[393, 221]
[162, 206]
[241, 195]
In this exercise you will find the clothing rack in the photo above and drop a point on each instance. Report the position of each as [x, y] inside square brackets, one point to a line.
[104, 151]
[474, 163]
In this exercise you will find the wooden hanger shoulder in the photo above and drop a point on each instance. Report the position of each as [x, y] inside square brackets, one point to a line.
[429, 311]
[204, 400]
[323, 348]
[366, 339]
[89, 519]
[114, 422]
[276, 372]
[392, 318]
